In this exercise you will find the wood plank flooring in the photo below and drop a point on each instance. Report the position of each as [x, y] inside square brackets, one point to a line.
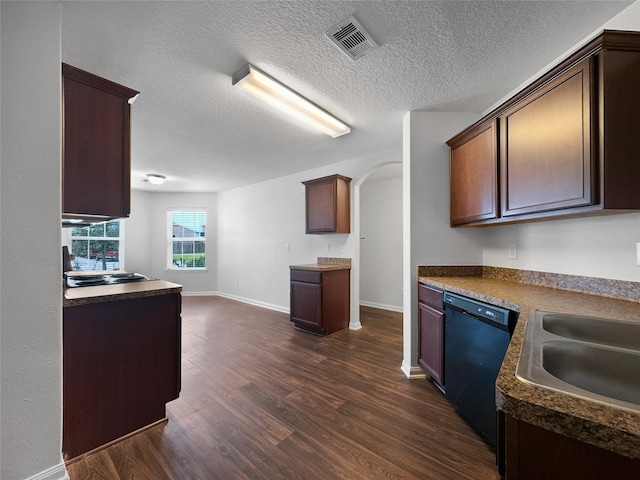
[262, 400]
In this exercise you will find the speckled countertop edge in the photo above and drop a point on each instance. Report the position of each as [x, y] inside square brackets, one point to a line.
[604, 426]
[110, 293]
[325, 264]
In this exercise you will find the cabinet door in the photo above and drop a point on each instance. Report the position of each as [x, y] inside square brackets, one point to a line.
[328, 205]
[473, 180]
[121, 365]
[430, 347]
[534, 453]
[546, 162]
[306, 304]
[96, 146]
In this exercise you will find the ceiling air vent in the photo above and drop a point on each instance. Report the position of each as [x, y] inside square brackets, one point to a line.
[351, 38]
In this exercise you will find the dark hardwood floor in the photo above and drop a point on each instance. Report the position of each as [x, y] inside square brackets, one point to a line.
[261, 400]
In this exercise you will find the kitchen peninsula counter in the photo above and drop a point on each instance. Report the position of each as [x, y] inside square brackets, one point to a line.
[604, 426]
[122, 348]
[109, 293]
[325, 264]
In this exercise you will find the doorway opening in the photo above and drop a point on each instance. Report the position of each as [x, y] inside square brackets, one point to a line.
[377, 263]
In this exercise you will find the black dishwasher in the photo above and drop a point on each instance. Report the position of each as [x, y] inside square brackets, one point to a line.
[476, 339]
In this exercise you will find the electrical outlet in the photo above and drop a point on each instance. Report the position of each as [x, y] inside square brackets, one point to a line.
[513, 252]
[237, 282]
[327, 247]
[638, 253]
[287, 247]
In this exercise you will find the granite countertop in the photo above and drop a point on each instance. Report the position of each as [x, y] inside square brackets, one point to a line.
[605, 426]
[108, 293]
[325, 264]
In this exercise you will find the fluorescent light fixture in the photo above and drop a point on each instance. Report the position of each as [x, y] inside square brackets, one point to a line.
[155, 179]
[262, 86]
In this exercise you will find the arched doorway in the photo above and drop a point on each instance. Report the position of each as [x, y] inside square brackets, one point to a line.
[379, 172]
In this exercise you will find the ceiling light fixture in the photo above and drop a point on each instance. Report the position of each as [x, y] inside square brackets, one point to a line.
[262, 86]
[155, 179]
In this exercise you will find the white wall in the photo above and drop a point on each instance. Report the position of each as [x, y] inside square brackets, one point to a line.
[30, 255]
[256, 222]
[381, 250]
[146, 238]
[428, 239]
[136, 253]
[595, 246]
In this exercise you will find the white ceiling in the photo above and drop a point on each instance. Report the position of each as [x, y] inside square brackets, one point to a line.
[192, 126]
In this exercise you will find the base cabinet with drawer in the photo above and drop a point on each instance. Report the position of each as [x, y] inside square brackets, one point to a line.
[320, 300]
[431, 333]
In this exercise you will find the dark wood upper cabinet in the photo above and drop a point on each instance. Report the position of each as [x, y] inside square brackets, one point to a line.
[96, 158]
[568, 143]
[474, 174]
[328, 205]
[545, 153]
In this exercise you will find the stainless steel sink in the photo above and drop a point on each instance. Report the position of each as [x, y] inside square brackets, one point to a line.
[592, 358]
[602, 331]
[604, 371]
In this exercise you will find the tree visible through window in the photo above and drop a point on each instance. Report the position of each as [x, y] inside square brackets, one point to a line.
[187, 239]
[96, 247]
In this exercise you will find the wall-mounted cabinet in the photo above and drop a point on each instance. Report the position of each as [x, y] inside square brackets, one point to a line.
[474, 175]
[568, 143]
[96, 158]
[545, 152]
[328, 205]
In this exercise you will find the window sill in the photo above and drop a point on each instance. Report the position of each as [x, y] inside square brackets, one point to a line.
[186, 269]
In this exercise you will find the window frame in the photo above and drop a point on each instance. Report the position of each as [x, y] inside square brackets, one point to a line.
[89, 238]
[169, 265]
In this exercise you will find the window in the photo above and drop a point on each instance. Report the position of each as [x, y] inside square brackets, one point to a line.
[97, 247]
[187, 239]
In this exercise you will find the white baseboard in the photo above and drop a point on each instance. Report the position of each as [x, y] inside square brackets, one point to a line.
[279, 308]
[57, 472]
[412, 372]
[270, 306]
[381, 306]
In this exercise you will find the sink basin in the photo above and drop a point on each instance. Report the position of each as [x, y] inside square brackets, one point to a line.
[591, 358]
[603, 331]
[604, 371]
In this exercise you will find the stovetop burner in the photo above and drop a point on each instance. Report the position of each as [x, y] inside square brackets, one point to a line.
[106, 279]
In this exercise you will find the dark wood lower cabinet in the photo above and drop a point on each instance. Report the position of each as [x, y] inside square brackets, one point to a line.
[121, 365]
[534, 453]
[431, 333]
[431, 345]
[320, 300]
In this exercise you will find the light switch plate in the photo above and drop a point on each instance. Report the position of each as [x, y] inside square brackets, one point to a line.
[513, 252]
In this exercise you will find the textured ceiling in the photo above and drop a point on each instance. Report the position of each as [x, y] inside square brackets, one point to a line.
[192, 126]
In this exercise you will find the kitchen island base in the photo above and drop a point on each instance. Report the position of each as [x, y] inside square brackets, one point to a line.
[121, 365]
